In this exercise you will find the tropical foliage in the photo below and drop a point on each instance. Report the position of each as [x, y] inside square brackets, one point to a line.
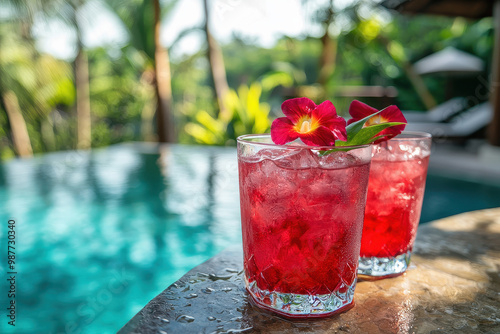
[44, 99]
[245, 114]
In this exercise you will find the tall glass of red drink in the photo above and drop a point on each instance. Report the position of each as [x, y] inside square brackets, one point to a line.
[394, 202]
[302, 215]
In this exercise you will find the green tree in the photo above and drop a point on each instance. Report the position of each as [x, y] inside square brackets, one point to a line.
[327, 61]
[71, 13]
[81, 65]
[216, 61]
[142, 20]
[31, 84]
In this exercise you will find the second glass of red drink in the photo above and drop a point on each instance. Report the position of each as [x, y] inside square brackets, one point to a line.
[395, 194]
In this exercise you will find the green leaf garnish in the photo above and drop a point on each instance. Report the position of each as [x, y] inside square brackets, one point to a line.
[365, 135]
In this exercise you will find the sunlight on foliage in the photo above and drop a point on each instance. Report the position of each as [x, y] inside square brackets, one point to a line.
[246, 115]
[370, 28]
[397, 51]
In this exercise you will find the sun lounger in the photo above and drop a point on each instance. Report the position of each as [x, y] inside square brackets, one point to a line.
[440, 113]
[462, 125]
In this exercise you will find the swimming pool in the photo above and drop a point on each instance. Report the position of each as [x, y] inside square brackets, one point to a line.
[99, 234]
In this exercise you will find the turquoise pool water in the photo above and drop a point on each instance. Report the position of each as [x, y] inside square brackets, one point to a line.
[99, 234]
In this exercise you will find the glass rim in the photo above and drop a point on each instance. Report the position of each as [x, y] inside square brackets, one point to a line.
[244, 139]
[412, 135]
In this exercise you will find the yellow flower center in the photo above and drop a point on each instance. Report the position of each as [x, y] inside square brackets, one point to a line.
[375, 120]
[305, 125]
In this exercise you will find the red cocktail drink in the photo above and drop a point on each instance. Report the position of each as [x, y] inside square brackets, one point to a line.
[302, 216]
[395, 194]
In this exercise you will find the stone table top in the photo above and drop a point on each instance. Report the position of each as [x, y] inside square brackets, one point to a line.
[452, 286]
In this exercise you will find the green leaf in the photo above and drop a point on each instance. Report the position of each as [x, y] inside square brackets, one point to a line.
[374, 139]
[366, 135]
[353, 128]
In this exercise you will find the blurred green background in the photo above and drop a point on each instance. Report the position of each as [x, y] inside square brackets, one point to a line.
[80, 74]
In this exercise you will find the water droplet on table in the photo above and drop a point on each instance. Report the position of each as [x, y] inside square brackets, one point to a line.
[211, 318]
[215, 277]
[236, 331]
[164, 320]
[184, 318]
[171, 297]
[191, 296]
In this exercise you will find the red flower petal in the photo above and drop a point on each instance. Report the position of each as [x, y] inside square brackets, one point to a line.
[294, 109]
[321, 136]
[339, 129]
[324, 112]
[282, 131]
[359, 110]
[326, 115]
[392, 114]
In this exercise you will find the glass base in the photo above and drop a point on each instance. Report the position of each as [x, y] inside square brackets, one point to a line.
[292, 305]
[383, 267]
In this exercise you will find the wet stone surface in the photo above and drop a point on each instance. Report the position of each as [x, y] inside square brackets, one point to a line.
[452, 286]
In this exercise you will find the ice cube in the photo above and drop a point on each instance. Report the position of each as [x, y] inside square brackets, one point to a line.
[337, 160]
[255, 154]
[402, 150]
[270, 154]
[267, 170]
[297, 159]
